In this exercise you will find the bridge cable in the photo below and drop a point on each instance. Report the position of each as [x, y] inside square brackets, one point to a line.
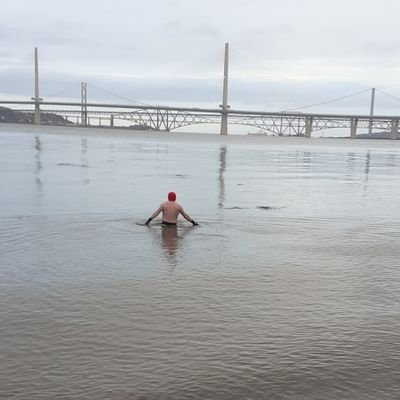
[18, 62]
[263, 66]
[198, 61]
[62, 91]
[116, 95]
[328, 101]
[294, 80]
[387, 94]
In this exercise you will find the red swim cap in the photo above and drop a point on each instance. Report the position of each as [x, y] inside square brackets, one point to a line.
[171, 196]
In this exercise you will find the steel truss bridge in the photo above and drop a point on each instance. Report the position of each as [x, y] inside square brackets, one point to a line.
[162, 118]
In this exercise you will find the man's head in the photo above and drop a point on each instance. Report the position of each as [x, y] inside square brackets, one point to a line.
[171, 196]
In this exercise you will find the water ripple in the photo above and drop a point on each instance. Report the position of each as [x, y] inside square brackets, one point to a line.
[300, 303]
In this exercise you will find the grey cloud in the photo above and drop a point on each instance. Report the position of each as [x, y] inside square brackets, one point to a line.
[380, 49]
[172, 3]
[283, 30]
[62, 35]
[6, 53]
[205, 31]
[175, 39]
[172, 25]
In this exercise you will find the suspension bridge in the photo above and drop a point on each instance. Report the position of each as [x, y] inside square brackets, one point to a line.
[165, 118]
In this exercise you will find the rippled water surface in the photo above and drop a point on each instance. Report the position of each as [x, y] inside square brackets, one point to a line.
[288, 289]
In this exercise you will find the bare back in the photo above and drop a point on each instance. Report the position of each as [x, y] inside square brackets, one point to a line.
[170, 212]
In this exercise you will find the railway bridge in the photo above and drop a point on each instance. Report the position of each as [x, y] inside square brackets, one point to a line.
[164, 118]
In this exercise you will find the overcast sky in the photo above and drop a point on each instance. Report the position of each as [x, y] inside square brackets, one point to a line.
[283, 54]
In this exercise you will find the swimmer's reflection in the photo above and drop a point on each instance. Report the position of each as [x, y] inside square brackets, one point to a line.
[169, 242]
[172, 238]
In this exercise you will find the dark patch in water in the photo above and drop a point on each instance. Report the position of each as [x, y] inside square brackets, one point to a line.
[23, 216]
[235, 208]
[72, 165]
[267, 208]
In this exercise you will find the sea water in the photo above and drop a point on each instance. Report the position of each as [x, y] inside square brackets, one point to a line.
[288, 289]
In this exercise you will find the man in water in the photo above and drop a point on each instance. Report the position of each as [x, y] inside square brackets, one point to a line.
[170, 210]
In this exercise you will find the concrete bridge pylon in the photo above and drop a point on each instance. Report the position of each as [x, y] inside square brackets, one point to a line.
[224, 105]
[37, 98]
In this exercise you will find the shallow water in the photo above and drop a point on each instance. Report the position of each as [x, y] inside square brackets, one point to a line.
[288, 289]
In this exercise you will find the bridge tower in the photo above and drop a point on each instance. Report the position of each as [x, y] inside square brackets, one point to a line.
[371, 110]
[84, 118]
[224, 105]
[37, 98]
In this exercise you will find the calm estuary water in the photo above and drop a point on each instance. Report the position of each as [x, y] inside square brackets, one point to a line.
[288, 289]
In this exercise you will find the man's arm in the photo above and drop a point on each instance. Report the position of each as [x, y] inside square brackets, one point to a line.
[187, 217]
[154, 215]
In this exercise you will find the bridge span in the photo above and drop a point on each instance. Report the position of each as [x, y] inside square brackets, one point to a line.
[165, 118]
